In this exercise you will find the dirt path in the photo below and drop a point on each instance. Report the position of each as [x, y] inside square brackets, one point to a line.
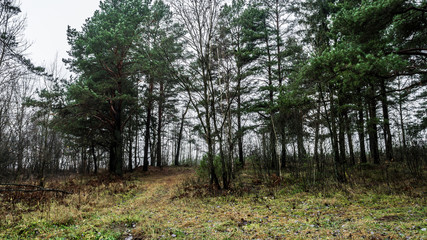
[151, 207]
[160, 185]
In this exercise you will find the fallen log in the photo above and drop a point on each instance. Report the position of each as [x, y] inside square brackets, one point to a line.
[37, 188]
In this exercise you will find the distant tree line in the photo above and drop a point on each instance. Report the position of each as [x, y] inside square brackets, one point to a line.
[312, 88]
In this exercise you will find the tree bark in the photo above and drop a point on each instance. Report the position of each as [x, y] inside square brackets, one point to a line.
[148, 125]
[361, 129]
[284, 151]
[386, 123]
[153, 147]
[225, 170]
[349, 139]
[159, 126]
[181, 128]
[95, 162]
[280, 79]
[372, 127]
[341, 127]
[402, 127]
[116, 153]
[240, 133]
[316, 135]
[130, 167]
[339, 168]
[300, 138]
[273, 143]
[239, 120]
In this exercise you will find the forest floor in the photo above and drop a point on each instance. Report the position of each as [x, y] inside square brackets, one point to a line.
[169, 204]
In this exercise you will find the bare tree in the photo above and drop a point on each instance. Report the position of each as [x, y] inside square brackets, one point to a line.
[200, 18]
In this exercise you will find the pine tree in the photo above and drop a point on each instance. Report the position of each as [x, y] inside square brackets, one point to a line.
[103, 56]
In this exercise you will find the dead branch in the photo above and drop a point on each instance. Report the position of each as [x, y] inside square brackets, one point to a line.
[19, 185]
[37, 188]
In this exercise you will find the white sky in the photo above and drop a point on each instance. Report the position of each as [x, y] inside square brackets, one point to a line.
[47, 22]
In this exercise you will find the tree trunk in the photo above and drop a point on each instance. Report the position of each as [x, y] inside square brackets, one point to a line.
[284, 152]
[43, 152]
[225, 180]
[341, 127]
[207, 78]
[130, 158]
[361, 129]
[116, 153]
[20, 154]
[349, 139]
[136, 150]
[372, 127]
[213, 177]
[153, 148]
[280, 79]
[20, 147]
[130, 148]
[239, 109]
[279, 58]
[273, 143]
[83, 164]
[159, 126]
[95, 162]
[148, 125]
[339, 166]
[300, 138]
[402, 127]
[181, 128]
[316, 135]
[386, 123]
[239, 121]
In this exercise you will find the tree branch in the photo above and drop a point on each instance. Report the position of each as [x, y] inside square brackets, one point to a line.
[37, 188]
[413, 51]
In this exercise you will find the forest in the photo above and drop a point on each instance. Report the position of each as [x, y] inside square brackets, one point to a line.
[176, 106]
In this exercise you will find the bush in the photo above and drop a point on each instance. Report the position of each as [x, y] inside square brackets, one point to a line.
[415, 159]
[203, 169]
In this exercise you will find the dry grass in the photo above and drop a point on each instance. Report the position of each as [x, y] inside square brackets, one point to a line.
[169, 203]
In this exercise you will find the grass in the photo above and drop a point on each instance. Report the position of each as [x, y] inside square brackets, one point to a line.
[169, 204]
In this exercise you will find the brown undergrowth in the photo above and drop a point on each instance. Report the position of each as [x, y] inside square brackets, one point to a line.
[173, 203]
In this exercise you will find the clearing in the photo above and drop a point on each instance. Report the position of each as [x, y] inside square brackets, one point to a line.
[165, 204]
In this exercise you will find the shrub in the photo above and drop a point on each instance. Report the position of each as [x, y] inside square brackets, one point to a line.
[203, 169]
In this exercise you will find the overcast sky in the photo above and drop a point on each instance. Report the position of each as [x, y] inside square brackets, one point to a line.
[47, 22]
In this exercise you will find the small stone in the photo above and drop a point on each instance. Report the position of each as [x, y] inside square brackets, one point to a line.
[173, 235]
[423, 229]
